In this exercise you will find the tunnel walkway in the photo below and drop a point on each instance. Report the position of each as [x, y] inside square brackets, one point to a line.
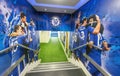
[54, 61]
[56, 69]
[52, 51]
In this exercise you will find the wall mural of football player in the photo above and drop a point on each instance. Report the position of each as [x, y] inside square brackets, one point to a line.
[83, 36]
[9, 18]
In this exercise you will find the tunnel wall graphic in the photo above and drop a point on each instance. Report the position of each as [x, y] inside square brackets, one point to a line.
[108, 11]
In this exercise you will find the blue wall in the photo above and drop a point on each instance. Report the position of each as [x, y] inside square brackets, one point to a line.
[10, 11]
[44, 22]
[9, 17]
[108, 10]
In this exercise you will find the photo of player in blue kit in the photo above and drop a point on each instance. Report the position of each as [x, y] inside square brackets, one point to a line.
[97, 40]
[93, 22]
[90, 31]
[16, 37]
[83, 30]
[14, 40]
[76, 41]
[32, 45]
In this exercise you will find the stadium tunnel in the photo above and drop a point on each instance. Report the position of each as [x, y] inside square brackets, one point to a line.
[59, 38]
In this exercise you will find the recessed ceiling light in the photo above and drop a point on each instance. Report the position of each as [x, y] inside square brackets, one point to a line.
[65, 11]
[45, 9]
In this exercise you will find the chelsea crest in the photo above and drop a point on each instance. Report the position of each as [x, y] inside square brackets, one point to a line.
[55, 21]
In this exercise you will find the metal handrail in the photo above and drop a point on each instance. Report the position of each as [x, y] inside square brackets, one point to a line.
[80, 46]
[97, 47]
[104, 72]
[86, 45]
[7, 49]
[26, 47]
[9, 70]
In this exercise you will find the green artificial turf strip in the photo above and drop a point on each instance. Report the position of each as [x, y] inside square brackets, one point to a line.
[52, 51]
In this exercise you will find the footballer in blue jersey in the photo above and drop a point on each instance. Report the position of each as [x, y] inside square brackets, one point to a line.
[26, 28]
[16, 52]
[32, 44]
[83, 31]
[76, 42]
[95, 54]
[32, 28]
[93, 23]
[15, 38]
